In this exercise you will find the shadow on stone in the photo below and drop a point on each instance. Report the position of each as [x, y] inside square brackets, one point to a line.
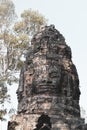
[43, 123]
[12, 125]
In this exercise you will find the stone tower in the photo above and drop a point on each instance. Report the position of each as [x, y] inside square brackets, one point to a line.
[48, 92]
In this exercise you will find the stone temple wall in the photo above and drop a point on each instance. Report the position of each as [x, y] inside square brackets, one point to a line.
[48, 92]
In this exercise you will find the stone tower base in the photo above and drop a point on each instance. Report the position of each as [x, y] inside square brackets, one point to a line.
[28, 122]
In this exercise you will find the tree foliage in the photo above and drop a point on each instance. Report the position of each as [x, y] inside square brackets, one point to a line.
[7, 15]
[30, 23]
[7, 12]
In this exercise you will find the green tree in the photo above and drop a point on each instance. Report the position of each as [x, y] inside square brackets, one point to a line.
[7, 15]
[30, 23]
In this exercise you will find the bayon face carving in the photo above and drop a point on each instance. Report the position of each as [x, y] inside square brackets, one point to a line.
[48, 92]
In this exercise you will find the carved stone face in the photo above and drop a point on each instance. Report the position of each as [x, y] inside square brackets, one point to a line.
[47, 77]
[48, 68]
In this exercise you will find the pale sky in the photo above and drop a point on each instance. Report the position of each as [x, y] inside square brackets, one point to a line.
[70, 18]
